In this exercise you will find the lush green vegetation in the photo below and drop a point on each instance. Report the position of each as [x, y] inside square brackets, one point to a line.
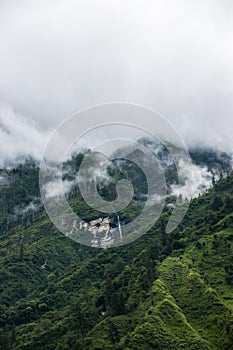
[164, 291]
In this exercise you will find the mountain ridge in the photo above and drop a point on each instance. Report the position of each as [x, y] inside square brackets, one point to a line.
[165, 291]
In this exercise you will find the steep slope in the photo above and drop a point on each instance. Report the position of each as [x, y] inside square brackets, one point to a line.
[165, 291]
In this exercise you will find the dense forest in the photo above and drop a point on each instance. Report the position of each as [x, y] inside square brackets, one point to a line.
[163, 291]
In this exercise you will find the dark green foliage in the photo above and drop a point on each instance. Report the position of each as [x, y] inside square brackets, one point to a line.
[213, 159]
[164, 291]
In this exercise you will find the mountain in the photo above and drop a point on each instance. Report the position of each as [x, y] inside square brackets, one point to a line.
[20, 195]
[163, 291]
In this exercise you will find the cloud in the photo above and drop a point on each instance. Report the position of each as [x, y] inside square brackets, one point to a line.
[3, 181]
[196, 180]
[31, 207]
[19, 136]
[60, 56]
[54, 189]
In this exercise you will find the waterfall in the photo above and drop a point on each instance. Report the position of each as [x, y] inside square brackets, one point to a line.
[119, 227]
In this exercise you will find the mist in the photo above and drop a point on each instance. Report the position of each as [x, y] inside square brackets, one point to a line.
[58, 57]
[196, 181]
[20, 137]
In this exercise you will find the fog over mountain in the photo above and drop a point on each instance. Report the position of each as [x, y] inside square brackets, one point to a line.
[58, 57]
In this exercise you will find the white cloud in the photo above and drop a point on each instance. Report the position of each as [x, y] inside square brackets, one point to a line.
[19, 136]
[3, 181]
[173, 55]
[196, 180]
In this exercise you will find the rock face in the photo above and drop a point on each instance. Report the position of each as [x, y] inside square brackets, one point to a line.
[103, 235]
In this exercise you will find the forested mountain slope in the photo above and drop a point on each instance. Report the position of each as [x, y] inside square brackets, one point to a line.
[164, 291]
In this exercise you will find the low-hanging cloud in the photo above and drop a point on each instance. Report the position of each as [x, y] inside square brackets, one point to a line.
[196, 180]
[19, 136]
[175, 56]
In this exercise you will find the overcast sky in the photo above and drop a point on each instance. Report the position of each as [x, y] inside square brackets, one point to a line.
[59, 56]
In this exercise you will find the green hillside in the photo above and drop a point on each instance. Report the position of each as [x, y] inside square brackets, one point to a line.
[164, 291]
